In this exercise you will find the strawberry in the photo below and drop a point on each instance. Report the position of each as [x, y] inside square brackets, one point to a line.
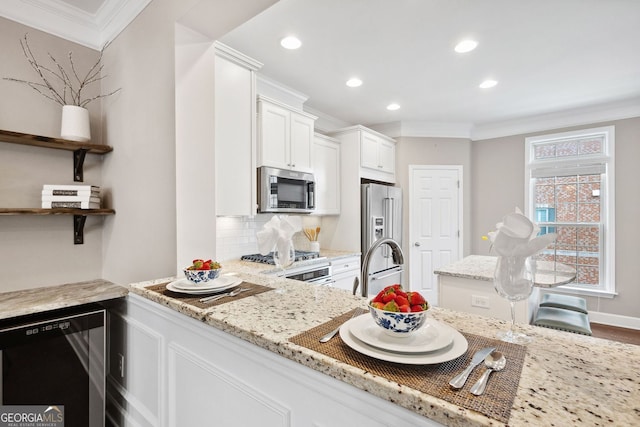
[389, 296]
[401, 300]
[415, 308]
[405, 308]
[378, 298]
[391, 306]
[197, 264]
[378, 305]
[415, 298]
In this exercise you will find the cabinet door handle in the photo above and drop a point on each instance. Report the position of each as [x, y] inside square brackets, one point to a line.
[416, 244]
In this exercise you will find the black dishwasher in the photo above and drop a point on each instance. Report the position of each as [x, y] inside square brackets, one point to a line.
[56, 359]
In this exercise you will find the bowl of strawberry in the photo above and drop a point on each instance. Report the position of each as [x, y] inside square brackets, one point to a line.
[202, 271]
[398, 312]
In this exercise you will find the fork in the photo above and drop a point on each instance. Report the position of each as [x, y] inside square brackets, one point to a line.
[227, 294]
[331, 334]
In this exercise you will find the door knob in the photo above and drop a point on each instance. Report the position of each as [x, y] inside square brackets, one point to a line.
[416, 244]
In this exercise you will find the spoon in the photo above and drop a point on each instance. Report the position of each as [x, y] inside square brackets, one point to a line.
[495, 361]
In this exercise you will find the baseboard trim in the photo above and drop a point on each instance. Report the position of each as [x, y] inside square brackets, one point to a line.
[614, 320]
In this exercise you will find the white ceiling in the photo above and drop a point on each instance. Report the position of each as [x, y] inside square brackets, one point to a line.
[549, 56]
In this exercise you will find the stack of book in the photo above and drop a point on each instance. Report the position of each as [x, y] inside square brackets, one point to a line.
[70, 196]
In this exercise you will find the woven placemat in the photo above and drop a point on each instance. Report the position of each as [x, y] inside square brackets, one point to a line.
[194, 300]
[496, 402]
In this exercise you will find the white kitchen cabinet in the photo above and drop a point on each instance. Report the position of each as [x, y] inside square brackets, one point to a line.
[479, 297]
[325, 159]
[178, 371]
[235, 132]
[378, 154]
[344, 271]
[285, 136]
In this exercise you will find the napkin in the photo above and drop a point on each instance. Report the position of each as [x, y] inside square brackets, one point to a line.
[277, 233]
[517, 236]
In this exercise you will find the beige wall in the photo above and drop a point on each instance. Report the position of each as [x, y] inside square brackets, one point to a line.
[38, 251]
[498, 185]
[434, 151]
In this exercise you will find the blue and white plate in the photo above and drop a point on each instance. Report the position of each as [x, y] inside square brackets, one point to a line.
[456, 349]
[184, 286]
[432, 336]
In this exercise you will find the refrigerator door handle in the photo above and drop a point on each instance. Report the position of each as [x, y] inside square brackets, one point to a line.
[388, 224]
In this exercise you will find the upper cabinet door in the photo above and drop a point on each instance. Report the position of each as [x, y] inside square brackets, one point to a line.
[285, 136]
[275, 136]
[387, 156]
[369, 151]
[301, 139]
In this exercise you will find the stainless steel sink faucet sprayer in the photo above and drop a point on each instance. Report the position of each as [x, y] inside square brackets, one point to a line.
[396, 253]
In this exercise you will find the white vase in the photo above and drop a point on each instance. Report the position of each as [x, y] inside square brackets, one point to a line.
[75, 123]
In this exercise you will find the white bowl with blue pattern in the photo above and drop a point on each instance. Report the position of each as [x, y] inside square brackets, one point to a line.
[398, 324]
[201, 276]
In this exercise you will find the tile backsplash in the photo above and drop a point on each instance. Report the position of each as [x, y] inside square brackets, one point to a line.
[236, 236]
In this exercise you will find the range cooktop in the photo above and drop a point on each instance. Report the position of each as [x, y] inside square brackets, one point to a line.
[268, 259]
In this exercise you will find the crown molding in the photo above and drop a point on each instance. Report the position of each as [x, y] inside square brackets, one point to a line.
[592, 114]
[278, 91]
[93, 30]
[425, 129]
[236, 57]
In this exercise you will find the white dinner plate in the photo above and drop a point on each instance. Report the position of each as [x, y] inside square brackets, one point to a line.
[432, 336]
[171, 286]
[456, 349]
[215, 284]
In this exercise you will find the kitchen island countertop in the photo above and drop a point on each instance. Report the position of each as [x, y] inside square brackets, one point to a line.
[481, 267]
[567, 379]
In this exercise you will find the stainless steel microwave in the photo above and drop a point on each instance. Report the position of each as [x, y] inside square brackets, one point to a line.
[285, 191]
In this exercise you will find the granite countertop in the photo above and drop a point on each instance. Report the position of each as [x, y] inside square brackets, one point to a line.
[38, 300]
[480, 267]
[567, 379]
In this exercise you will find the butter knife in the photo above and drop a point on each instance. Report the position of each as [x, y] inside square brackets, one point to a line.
[331, 334]
[459, 380]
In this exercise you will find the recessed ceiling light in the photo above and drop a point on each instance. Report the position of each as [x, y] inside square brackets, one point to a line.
[466, 46]
[487, 84]
[354, 82]
[290, 42]
[393, 107]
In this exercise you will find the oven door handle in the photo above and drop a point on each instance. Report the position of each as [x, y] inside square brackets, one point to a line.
[325, 281]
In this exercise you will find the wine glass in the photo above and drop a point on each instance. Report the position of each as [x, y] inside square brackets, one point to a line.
[283, 256]
[513, 280]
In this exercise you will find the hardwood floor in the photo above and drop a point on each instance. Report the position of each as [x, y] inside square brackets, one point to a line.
[629, 336]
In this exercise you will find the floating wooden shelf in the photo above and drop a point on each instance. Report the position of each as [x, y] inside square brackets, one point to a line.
[79, 217]
[80, 149]
[56, 211]
[48, 142]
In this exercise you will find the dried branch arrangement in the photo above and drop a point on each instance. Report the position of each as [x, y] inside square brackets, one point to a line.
[63, 86]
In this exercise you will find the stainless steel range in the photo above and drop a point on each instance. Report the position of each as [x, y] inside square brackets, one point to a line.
[268, 259]
[309, 267]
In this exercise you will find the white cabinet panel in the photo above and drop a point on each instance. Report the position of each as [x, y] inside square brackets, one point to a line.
[344, 271]
[326, 171]
[284, 136]
[200, 391]
[275, 135]
[235, 132]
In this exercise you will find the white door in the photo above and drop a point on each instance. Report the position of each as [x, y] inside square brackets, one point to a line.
[435, 224]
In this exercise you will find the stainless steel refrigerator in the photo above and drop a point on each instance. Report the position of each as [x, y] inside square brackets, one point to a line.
[381, 217]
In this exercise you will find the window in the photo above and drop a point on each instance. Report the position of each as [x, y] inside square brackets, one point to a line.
[570, 192]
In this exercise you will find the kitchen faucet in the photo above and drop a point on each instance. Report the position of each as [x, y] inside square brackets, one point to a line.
[396, 253]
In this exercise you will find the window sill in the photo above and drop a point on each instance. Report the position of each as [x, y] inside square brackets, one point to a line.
[568, 289]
